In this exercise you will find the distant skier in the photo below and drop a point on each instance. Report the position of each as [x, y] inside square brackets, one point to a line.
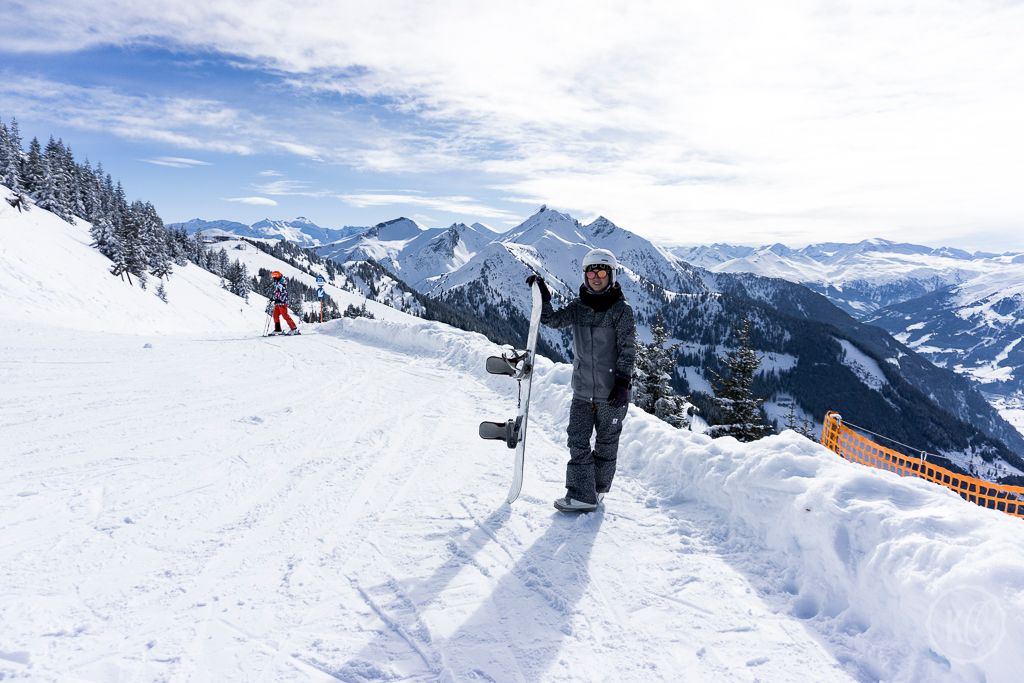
[604, 348]
[280, 298]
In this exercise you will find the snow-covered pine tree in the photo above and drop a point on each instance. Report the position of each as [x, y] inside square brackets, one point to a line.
[161, 292]
[34, 170]
[236, 279]
[197, 252]
[295, 295]
[177, 246]
[76, 185]
[10, 157]
[90, 191]
[158, 255]
[104, 237]
[46, 194]
[130, 233]
[12, 165]
[4, 143]
[740, 411]
[222, 263]
[652, 379]
[58, 182]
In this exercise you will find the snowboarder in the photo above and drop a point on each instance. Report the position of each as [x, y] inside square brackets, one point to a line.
[280, 298]
[604, 348]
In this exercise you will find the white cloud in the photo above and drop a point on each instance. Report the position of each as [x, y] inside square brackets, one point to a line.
[741, 120]
[271, 174]
[176, 162]
[456, 205]
[291, 188]
[255, 201]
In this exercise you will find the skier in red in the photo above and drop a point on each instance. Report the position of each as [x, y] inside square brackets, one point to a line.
[280, 297]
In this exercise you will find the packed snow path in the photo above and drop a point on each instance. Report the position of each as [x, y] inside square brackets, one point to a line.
[315, 508]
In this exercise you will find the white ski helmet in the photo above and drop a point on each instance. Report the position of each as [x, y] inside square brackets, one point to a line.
[601, 257]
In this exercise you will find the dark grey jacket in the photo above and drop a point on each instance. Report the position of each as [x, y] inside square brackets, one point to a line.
[604, 340]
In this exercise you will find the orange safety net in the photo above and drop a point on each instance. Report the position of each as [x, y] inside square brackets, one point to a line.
[850, 445]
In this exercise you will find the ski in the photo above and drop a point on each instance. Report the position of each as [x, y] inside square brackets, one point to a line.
[518, 365]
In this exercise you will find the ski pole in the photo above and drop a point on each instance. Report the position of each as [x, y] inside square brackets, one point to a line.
[266, 325]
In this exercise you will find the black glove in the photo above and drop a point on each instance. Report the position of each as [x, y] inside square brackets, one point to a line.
[619, 395]
[545, 295]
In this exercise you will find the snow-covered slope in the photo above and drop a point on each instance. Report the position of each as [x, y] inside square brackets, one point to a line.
[51, 275]
[226, 507]
[975, 328]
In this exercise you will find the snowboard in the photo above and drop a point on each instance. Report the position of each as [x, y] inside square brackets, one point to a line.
[518, 365]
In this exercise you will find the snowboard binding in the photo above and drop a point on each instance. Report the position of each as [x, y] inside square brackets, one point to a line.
[515, 364]
[502, 431]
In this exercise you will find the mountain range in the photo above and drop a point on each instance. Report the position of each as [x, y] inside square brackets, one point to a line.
[861, 278]
[815, 354]
[300, 230]
[961, 310]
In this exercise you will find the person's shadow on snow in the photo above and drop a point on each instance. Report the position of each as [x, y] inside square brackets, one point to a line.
[517, 633]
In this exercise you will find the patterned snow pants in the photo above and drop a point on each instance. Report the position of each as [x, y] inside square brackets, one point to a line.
[590, 470]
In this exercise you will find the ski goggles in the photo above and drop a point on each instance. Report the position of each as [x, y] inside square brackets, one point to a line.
[596, 271]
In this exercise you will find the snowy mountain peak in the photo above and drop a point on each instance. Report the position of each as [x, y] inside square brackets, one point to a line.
[394, 230]
[780, 249]
[601, 227]
[285, 224]
[546, 223]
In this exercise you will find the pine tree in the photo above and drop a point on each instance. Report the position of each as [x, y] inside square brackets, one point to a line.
[90, 191]
[222, 263]
[4, 144]
[46, 195]
[236, 279]
[158, 255]
[740, 411]
[131, 259]
[58, 180]
[161, 292]
[104, 238]
[34, 168]
[76, 185]
[652, 379]
[10, 157]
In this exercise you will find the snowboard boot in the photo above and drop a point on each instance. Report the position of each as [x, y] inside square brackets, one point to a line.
[568, 504]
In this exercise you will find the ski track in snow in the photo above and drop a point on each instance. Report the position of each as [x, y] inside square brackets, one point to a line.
[270, 509]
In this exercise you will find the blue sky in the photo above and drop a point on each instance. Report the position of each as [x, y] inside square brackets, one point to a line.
[686, 122]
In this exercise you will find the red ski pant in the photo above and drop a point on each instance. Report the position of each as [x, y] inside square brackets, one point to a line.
[279, 310]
